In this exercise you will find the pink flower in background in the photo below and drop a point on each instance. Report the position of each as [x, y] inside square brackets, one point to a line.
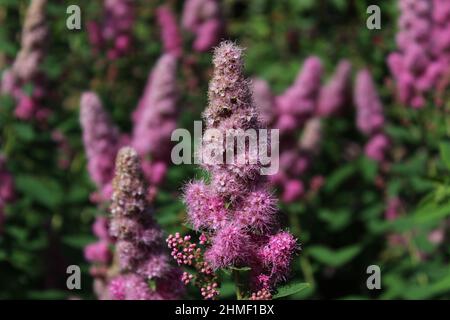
[335, 93]
[204, 19]
[170, 35]
[155, 118]
[156, 114]
[114, 32]
[370, 117]
[264, 100]
[369, 110]
[292, 190]
[26, 68]
[101, 139]
[100, 228]
[394, 208]
[422, 59]
[376, 147]
[298, 102]
[311, 136]
[98, 252]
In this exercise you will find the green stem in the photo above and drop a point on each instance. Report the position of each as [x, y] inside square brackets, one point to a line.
[237, 283]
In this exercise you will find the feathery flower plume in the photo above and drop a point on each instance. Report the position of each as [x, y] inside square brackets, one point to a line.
[26, 66]
[204, 19]
[240, 211]
[333, 95]
[170, 34]
[140, 244]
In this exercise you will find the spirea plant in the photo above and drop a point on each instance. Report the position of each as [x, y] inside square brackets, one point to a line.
[236, 210]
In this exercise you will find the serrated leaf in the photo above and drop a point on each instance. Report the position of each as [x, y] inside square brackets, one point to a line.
[290, 289]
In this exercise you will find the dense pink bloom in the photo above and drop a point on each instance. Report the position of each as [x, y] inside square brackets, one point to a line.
[258, 212]
[369, 110]
[230, 246]
[205, 209]
[98, 252]
[170, 34]
[101, 139]
[376, 147]
[277, 254]
[140, 244]
[335, 94]
[129, 287]
[204, 19]
[311, 136]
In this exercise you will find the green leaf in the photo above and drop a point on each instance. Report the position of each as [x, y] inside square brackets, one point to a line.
[290, 289]
[44, 191]
[444, 148]
[332, 257]
[338, 177]
[78, 242]
[47, 295]
[24, 131]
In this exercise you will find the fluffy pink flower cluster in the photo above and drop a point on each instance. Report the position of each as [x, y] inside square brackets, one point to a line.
[140, 245]
[237, 209]
[204, 19]
[423, 59]
[369, 117]
[7, 193]
[114, 32]
[300, 107]
[25, 69]
[170, 34]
